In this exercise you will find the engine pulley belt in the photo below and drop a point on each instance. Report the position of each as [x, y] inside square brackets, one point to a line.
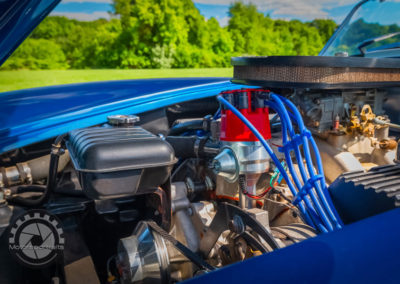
[220, 223]
[181, 247]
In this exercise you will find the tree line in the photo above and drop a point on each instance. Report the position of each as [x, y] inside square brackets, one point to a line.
[165, 34]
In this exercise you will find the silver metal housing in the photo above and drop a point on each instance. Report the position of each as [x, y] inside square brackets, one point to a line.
[238, 158]
[252, 156]
[143, 257]
[121, 119]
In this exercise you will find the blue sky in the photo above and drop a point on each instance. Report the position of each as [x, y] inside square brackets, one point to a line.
[304, 10]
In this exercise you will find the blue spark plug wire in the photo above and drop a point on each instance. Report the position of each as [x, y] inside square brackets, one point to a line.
[287, 128]
[320, 186]
[271, 153]
[311, 196]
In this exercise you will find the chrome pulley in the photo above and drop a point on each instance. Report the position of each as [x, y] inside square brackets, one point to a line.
[148, 255]
[143, 257]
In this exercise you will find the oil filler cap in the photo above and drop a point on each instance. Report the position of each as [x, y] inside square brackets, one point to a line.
[122, 120]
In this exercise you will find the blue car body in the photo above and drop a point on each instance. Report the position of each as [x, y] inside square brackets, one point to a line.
[18, 18]
[33, 115]
[363, 252]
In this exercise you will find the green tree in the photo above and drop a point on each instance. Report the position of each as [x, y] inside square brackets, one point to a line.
[168, 34]
[325, 28]
[256, 34]
[37, 54]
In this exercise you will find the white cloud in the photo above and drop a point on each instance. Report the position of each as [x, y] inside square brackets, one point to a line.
[83, 16]
[304, 9]
[223, 21]
[286, 9]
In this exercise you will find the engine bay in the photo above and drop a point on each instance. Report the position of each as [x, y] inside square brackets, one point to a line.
[173, 193]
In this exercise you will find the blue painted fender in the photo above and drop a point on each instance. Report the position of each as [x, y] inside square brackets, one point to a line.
[34, 115]
[363, 252]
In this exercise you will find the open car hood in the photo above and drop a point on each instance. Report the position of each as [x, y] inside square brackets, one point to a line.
[18, 18]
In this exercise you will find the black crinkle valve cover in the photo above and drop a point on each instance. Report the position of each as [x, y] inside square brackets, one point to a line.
[358, 195]
[114, 162]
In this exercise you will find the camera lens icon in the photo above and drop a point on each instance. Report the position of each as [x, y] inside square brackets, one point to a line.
[36, 239]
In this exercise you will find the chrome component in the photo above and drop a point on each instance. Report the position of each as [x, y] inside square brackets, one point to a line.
[122, 120]
[251, 156]
[15, 175]
[226, 165]
[210, 148]
[342, 54]
[29, 171]
[18, 174]
[240, 158]
[143, 257]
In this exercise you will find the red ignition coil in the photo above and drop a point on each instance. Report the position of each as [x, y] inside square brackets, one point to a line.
[250, 103]
[242, 157]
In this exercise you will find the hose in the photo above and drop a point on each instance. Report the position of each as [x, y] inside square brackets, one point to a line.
[184, 146]
[29, 171]
[217, 115]
[180, 128]
[193, 146]
[40, 166]
[56, 152]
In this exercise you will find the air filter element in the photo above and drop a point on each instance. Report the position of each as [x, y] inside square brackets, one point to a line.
[316, 72]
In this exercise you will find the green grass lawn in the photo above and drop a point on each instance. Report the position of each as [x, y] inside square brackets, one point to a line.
[22, 79]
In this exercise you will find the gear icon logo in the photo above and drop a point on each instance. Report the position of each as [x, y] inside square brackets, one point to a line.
[36, 239]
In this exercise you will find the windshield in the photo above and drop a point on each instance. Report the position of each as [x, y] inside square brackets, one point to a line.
[371, 20]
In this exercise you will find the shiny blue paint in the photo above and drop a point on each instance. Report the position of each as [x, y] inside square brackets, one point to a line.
[363, 252]
[33, 115]
[18, 18]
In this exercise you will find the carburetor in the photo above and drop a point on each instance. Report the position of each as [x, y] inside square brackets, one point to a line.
[242, 157]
